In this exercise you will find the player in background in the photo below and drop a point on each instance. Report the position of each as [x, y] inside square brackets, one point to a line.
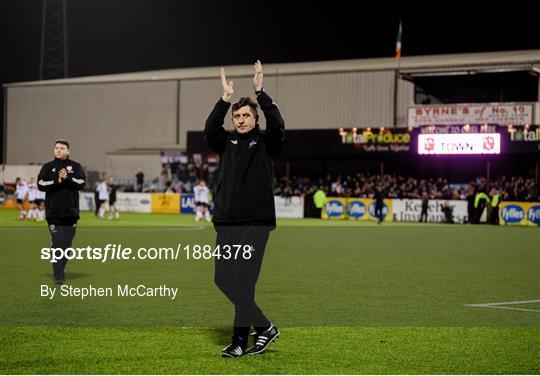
[113, 209]
[202, 201]
[21, 190]
[103, 196]
[32, 194]
[40, 204]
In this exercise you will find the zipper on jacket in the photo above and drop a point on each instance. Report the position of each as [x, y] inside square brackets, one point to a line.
[238, 202]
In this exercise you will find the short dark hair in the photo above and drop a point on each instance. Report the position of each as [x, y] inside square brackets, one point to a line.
[246, 101]
[63, 142]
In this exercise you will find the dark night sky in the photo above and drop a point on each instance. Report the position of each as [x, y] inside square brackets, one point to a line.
[111, 36]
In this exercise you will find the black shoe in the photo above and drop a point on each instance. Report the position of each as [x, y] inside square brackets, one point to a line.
[232, 351]
[59, 280]
[263, 340]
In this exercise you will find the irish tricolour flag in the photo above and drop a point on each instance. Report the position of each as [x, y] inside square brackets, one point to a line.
[398, 43]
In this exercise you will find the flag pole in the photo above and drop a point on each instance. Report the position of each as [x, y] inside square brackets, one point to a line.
[396, 78]
[396, 73]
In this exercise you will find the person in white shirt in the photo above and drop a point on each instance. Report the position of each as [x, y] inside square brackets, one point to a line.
[21, 190]
[32, 194]
[40, 203]
[202, 201]
[103, 195]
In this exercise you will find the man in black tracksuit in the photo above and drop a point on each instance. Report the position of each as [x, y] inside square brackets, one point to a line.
[61, 179]
[244, 212]
[379, 204]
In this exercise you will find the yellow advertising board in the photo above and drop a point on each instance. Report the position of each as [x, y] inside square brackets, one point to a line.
[519, 213]
[165, 203]
[335, 208]
[355, 208]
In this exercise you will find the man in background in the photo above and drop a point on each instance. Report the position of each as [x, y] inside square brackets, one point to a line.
[495, 203]
[319, 198]
[481, 200]
[425, 206]
[114, 213]
[140, 181]
[379, 204]
[61, 179]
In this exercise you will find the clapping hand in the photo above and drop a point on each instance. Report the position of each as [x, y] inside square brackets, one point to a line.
[258, 77]
[228, 90]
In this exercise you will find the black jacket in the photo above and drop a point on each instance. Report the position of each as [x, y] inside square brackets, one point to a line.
[61, 199]
[244, 192]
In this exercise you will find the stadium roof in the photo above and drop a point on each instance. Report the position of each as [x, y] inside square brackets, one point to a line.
[408, 66]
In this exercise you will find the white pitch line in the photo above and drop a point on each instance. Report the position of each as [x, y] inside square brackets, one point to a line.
[512, 308]
[501, 305]
[114, 229]
[504, 303]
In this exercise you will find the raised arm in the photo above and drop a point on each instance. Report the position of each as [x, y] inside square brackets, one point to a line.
[214, 132]
[275, 125]
[228, 89]
[258, 76]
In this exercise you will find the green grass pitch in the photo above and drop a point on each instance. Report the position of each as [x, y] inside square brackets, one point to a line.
[349, 297]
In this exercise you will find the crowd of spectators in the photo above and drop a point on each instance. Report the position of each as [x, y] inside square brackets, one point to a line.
[396, 186]
[360, 185]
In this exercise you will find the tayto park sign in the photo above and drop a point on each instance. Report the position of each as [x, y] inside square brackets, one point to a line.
[464, 143]
[377, 140]
[488, 113]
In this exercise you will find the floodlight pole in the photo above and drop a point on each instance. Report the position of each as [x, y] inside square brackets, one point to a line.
[54, 53]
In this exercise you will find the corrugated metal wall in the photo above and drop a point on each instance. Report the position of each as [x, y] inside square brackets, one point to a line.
[198, 97]
[95, 118]
[105, 117]
[337, 100]
[125, 166]
[311, 101]
[405, 99]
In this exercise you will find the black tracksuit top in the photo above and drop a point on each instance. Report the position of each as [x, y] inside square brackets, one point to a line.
[244, 193]
[61, 199]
